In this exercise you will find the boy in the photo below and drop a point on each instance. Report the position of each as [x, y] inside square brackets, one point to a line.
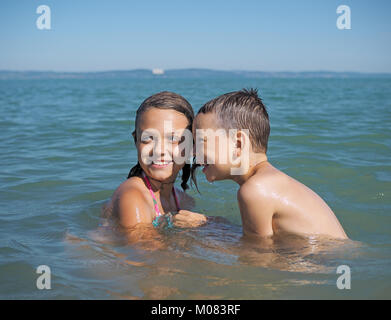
[270, 201]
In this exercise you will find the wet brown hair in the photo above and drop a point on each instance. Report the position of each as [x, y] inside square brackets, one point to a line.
[242, 109]
[170, 101]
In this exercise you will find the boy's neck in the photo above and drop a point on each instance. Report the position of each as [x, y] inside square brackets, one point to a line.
[256, 160]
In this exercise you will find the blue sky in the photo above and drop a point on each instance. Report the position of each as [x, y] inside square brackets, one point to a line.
[276, 35]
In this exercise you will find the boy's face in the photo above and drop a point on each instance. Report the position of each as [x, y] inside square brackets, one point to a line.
[212, 147]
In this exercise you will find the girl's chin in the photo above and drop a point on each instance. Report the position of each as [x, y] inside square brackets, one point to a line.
[161, 172]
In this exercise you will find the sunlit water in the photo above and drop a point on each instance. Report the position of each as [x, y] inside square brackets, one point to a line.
[65, 146]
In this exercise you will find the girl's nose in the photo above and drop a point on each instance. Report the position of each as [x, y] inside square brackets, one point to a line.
[160, 148]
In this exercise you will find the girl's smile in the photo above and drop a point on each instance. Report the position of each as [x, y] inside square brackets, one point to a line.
[161, 164]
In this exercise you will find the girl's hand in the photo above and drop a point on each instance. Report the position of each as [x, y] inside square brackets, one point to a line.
[189, 219]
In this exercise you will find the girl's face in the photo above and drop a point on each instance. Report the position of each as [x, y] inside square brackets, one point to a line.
[160, 139]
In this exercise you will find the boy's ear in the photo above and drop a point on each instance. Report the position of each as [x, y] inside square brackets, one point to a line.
[242, 142]
[241, 152]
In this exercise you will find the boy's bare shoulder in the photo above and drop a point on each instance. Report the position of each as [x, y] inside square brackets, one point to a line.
[262, 184]
[257, 203]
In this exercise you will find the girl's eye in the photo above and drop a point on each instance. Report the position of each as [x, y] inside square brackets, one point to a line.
[146, 138]
[175, 138]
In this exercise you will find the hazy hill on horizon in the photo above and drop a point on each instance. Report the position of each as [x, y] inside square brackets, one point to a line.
[183, 73]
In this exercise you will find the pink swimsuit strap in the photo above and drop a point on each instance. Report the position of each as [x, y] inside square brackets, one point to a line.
[157, 210]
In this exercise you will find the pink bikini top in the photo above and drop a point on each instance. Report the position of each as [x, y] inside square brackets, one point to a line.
[158, 213]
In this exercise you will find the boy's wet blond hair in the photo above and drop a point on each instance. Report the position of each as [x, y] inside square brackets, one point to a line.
[242, 109]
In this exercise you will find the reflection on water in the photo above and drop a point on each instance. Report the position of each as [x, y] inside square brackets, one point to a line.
[211, 262]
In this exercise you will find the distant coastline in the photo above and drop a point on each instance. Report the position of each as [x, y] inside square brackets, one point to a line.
[183, 73]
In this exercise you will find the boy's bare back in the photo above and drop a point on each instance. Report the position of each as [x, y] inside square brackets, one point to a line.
[271, 203]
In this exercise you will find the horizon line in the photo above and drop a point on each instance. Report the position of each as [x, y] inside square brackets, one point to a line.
[205, 69]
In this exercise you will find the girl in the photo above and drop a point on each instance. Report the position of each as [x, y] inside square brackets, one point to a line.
[148, 196]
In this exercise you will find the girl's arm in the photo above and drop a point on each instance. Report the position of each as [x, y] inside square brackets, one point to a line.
[189, 219]
[135, 220]
[131, 208]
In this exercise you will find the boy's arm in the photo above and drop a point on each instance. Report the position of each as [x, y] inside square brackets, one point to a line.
[256, 210]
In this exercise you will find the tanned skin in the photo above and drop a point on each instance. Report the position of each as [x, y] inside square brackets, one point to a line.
[270, 202]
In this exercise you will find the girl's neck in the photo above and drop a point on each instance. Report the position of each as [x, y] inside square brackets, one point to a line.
[163, 189]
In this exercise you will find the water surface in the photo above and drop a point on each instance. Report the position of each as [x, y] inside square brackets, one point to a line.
[66, 145]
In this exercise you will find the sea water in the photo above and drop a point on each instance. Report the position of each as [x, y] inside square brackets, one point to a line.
[66, 145]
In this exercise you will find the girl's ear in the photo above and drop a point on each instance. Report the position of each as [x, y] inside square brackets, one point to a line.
[134, 136]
